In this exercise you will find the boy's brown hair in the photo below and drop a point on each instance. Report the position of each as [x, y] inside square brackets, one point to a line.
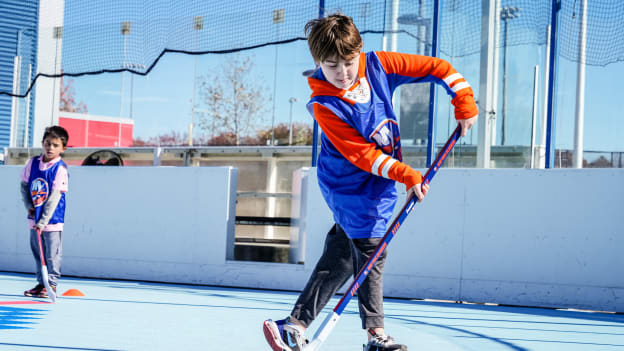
[56, 132]
[334, 36]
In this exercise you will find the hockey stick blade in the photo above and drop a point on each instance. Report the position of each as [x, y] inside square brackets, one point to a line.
[330, 322]
[323, 332]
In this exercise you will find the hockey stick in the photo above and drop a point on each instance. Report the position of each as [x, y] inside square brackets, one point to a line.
[44, 269]
[332, 319]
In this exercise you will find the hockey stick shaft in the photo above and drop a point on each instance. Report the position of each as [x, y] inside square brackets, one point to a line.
[44, 268]
[332, 319]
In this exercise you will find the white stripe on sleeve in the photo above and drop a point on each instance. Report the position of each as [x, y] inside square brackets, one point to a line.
[459, 86]
[377, 163]
[386, 168]
[453, 77]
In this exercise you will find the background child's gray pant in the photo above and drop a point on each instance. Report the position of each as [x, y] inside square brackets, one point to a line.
[341, 258]
[52, 251]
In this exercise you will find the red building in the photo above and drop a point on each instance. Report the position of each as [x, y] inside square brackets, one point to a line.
[96, 131]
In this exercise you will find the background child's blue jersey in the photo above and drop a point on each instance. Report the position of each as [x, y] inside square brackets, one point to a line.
[40, 185]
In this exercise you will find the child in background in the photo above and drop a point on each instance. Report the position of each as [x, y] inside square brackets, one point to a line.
[359, 163]
[43, 187]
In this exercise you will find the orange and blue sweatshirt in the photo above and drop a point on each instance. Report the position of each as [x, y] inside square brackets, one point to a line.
[360, 157]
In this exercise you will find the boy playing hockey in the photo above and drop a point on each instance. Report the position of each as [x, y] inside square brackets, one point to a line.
[359, 163]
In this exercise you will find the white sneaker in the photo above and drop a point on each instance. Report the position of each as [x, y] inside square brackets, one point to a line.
[282, 335]
[383, 343]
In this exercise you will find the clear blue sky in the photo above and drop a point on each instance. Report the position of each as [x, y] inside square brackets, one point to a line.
[162, 100]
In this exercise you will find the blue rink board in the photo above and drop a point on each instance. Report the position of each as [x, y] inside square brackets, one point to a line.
[129, 315]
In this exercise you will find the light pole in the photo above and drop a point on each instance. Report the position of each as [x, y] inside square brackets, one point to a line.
[278, 17]
[507, 13]
[292, 100]
[198, 24]
[133, 66]
[125, 30]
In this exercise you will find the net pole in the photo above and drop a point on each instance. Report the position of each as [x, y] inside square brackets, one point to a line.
[315, 128]
[580, 91]
[550, 125]
[432, 89]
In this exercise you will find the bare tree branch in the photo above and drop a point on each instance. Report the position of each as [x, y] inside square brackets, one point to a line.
[234, 99]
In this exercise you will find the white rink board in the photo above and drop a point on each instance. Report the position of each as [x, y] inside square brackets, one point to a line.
[509, 236]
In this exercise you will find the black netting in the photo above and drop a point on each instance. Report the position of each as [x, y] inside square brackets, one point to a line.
[117, 35]
[605, 39]
[460, 31]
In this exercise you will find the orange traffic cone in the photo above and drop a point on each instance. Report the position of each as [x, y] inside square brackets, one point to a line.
[73, 292]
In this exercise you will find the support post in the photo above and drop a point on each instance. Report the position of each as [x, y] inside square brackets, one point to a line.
[432, 90]
[315, 128]
[486, 112]
[550, 120]
[580, 91]
[17, 70]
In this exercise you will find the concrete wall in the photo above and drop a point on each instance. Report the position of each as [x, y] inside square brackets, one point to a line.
[522, 237]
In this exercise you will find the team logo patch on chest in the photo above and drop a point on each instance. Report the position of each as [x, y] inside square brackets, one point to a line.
[361, 94]
[39, 191]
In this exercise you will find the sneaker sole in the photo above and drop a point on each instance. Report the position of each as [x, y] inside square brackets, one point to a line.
[36, 295]
[272, 336]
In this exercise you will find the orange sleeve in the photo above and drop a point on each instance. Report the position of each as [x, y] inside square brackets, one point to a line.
[422, 66]
[363, 154]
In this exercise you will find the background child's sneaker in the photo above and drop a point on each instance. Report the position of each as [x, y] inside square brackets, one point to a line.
[283, 335]
[383, 343]
[38, 291]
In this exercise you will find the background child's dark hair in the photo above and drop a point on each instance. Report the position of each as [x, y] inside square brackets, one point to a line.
[56, 132]
[333, 36]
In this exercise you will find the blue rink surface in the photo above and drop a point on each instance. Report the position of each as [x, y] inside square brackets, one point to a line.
[131, 315]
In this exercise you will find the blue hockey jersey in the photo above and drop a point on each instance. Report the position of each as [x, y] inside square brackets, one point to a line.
[360, 156]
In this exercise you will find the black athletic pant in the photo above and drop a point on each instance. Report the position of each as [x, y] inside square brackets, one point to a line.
[341, 258]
